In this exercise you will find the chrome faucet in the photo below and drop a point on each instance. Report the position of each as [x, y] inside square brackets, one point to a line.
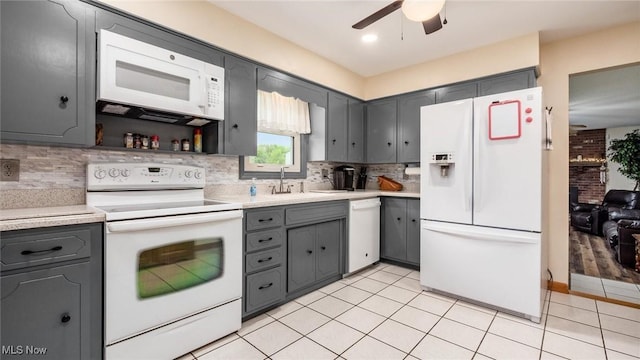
[282, 189]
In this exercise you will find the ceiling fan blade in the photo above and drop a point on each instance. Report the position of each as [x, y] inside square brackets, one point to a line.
[378, 15]
[432, 25]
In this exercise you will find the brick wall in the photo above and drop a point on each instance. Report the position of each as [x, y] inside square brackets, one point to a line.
[590, 144]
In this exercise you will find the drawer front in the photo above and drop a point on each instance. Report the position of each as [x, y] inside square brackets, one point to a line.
[264, 219]
[33, 247]
[263, 259]
[264, 239]
[315, 212]
[264, 288]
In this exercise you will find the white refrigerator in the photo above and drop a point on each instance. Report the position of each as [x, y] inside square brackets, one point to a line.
[480, 203]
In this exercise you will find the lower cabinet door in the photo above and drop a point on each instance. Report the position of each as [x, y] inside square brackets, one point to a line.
[413, 231]
[42, 315]
[301, 257]
[328, 249]
[264, 288]
[394, 243]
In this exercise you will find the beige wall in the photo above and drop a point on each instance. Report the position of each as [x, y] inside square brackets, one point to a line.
[514, 54]
[616, 46]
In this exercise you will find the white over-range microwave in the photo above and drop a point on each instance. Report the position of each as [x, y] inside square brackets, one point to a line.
[140, 80]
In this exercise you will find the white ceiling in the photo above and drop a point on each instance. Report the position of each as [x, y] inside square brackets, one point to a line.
[324, 26]
[605, 98]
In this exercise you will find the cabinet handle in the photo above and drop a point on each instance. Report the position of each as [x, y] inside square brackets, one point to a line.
[265, 220]
[406, 143]
[388, 144]
[267, 259]
[353, 144]
[399, 219]
[31, 252]
[323, 247]
[265, 286]
[413, 220]
[65, 318]
[235, 126]
[265, 240]
[334, 141]
[64, 99]
[309, 252]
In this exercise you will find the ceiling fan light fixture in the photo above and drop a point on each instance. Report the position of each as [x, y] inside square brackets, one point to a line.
[369, 38]
[421, 10]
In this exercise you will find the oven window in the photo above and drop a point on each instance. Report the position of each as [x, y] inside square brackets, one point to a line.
[179, 266]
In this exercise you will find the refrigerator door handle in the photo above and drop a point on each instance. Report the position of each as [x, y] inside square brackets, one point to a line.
[490, 236]
[468, 151]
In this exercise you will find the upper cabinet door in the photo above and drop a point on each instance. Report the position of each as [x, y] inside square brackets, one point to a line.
[508, 82]
[355, 143]
[48, 72]
[409, 124]
[337, 127]
[240, 126]
[456, 92]
[381, 131]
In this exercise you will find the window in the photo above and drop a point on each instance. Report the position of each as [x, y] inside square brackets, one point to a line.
[274, 152]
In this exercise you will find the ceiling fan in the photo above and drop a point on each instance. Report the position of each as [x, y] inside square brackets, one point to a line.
[415, 10]
[573, 129]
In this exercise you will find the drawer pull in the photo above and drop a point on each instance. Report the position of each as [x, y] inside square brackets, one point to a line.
[265, 260]
[265, 220]
[265, 240]
[65, 318]
[309, 252]
[265, 286]
[31, 252]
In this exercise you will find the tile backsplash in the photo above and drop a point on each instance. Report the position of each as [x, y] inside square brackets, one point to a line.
[56, 176]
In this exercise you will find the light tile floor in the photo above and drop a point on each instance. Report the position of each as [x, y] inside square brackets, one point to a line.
[606, 288]
[381, 313]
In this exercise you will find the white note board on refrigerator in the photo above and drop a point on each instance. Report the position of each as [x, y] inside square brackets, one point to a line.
[504, 120]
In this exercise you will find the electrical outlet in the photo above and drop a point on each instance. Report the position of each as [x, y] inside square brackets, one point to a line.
[10, 170]
[325, 173]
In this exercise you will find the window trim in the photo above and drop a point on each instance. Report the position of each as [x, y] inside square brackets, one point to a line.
[302, 174]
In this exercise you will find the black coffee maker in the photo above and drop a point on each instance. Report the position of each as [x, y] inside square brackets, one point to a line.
[343, 177]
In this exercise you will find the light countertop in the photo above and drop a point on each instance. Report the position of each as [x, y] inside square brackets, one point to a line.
[27, 218]
[264, 200]
[17, 219]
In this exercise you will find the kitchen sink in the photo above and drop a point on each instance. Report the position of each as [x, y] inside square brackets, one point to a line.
[328, 191]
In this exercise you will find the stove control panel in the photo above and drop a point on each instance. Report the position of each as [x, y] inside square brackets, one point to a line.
[139, 176]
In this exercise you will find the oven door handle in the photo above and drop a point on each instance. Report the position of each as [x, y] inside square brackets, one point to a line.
[172, 221]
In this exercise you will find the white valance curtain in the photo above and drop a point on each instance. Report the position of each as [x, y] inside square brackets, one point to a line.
[282, 114]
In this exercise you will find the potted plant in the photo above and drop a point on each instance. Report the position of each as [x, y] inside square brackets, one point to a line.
[626, 152]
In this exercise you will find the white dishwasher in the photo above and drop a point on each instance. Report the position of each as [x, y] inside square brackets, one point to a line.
[364, 234]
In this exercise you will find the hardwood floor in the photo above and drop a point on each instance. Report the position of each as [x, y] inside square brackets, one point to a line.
[591, 255]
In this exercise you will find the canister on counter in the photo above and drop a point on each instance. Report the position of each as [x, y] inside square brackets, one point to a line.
[128, 140]
[197, 140]
[186, 145]
[175, 145]
[155, 142]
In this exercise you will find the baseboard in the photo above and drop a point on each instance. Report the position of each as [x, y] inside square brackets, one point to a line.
[564, 288]
[558, 287]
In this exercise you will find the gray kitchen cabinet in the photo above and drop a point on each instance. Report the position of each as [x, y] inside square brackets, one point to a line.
[51, 290]
[264, 260]
[241, 123]
[508, 82]
[355, 142]
[337, 127]
[456, 92]
[48, 72]
[409, 124]
[286, 85]
[400, 219]
[314, 254]
[381, 131]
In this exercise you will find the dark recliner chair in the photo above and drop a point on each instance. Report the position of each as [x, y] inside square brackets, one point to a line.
[618, 231]
[591, 217]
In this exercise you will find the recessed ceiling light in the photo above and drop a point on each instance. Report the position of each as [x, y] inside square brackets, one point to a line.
[369, 38]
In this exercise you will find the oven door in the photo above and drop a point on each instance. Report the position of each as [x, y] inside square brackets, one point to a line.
[160, 270]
